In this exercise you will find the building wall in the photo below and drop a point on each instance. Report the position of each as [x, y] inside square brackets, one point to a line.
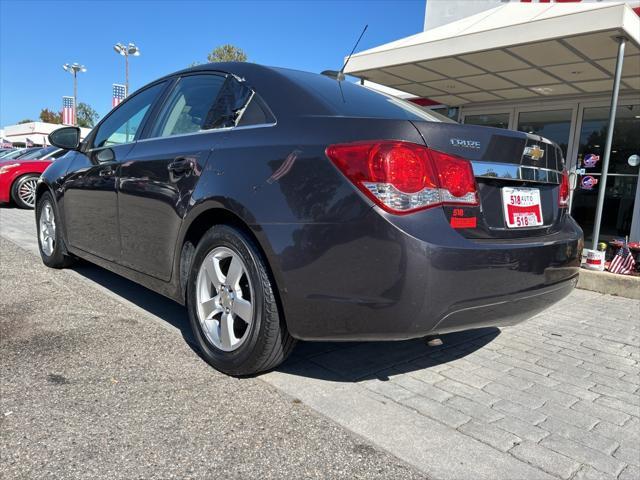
[36, 132]
[441, 12]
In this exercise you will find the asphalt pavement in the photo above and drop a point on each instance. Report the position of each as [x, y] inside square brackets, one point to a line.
[90, 388]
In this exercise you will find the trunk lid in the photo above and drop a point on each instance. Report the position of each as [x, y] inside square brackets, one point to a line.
[505, 162]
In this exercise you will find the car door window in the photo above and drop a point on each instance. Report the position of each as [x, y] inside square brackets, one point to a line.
[189, 105]
[125, 123]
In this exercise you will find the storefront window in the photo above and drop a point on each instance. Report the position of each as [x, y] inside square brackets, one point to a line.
[626, 138]
[552, 124]
[498, 120]
[623, 178]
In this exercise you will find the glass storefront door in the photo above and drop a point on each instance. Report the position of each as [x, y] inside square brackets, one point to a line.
[552, 124]
[623, 178]
[498, 120]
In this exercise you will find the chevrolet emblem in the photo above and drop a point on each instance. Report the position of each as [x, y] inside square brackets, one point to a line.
[534, 152]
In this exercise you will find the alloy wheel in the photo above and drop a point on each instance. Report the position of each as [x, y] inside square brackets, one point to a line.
[224, 296]
[27, 191]
[47, 224]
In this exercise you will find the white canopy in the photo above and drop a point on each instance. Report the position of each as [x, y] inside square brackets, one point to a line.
[515, 51]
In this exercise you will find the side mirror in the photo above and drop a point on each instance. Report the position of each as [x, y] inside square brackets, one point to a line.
[65, 137]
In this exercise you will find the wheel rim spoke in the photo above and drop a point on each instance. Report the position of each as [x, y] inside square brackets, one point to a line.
[235, 272]
[227, 338]
[210, 307]
[243, 309]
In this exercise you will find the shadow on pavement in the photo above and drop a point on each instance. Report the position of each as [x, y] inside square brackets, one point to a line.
[358, 361]
[154, 303]
[333, 361]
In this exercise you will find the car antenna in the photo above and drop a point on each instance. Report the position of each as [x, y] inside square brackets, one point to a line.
[340, 75]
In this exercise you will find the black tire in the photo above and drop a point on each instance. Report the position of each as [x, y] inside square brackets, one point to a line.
[28, 180]
[58, 257]
[268, 342]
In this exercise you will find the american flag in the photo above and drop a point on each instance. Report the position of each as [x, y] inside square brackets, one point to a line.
[119, 94]
[67, 110]
[623, 261]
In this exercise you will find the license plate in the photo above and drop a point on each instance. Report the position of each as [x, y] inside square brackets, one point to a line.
[522, 207]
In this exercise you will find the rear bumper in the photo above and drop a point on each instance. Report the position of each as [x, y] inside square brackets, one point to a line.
[374, 281]
[505, 310]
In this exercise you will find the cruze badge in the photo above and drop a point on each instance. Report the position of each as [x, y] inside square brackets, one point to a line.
[534, 152]
[458, 142]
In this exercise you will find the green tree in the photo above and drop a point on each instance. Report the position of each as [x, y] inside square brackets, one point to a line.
[87, 116]
[227, 53]
[49, 116]
[26, 120]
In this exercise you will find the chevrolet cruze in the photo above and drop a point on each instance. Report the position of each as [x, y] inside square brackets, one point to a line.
[280, 205]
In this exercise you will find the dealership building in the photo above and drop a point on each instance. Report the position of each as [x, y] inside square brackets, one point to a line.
[542, 67]
[33, 134]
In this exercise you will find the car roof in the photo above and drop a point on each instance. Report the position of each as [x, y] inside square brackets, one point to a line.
[293, 93]
[270, 83]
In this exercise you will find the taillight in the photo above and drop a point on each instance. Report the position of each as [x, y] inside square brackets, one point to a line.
[563, 191]
[403, 177]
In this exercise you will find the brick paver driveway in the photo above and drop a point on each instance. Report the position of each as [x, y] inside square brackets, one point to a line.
[555, 397]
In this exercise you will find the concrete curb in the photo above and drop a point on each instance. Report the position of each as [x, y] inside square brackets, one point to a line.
[610, 283]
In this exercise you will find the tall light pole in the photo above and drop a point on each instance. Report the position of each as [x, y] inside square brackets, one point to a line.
[125, 51]
[73, 69]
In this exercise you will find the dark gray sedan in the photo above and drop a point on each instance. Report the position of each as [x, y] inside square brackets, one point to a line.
[281, 205]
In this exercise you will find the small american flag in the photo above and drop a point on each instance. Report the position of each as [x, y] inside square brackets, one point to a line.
[623, 261]
[119, 94]
[67, 110]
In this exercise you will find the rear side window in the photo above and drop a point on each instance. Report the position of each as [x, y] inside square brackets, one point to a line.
[188, 106]
[255, 113]
[348, 99]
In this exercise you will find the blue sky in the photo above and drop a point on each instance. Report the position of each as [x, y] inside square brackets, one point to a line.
[38, 37]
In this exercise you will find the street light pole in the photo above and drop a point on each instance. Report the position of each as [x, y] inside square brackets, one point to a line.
[75, 97]
[73, 69]
[125, 51]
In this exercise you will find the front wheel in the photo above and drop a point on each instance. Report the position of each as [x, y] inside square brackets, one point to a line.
[232, 305]
[50, 240]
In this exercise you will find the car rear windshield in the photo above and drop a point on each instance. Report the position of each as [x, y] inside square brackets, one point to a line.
[350, 99]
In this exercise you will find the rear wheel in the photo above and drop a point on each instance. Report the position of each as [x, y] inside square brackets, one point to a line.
[50, 242]
[23, 191]
[232, 306]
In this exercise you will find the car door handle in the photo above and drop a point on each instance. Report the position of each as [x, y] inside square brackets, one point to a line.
[107, 172]
[181, 165]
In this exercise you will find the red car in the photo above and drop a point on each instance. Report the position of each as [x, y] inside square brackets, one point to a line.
[19, 176]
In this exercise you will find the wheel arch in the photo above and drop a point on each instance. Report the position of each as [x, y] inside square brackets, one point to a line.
[41, 188]
[199, 225]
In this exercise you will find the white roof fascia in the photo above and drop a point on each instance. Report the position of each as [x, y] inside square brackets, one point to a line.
[589, 18]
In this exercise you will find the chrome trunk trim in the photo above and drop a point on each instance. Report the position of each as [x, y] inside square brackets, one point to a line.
[522, 173]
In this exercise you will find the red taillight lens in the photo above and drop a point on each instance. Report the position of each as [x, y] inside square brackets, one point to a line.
[563, 191]
[403, 177]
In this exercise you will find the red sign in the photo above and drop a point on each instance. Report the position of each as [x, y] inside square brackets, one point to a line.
[524, 210]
